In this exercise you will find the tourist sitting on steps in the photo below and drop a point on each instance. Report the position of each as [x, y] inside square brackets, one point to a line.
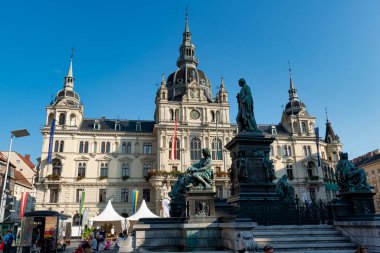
[268, 249]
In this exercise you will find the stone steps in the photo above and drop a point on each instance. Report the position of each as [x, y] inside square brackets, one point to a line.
[308, 238]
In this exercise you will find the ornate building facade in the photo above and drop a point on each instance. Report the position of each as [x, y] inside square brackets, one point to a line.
[108, 158]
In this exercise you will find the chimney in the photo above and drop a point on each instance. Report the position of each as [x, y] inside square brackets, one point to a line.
[27, 157]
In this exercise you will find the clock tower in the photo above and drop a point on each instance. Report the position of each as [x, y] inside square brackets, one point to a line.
[187, 110]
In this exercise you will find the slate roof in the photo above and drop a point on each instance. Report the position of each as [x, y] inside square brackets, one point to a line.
[368, 160]
[125, 125]
[268, 129]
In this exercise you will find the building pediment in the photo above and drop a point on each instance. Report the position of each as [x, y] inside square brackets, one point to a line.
[82, 158]
[104, 158]
[147, 159]
[126, 159]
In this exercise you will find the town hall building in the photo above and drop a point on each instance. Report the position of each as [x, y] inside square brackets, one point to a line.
[109, 158]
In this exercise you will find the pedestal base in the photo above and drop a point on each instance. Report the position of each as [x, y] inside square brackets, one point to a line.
[201, 206]
[353, 204]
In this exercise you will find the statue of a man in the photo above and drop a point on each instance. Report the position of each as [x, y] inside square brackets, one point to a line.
[284, 190]
[349, 177]
[201, 172]
[268, 167]
[245, 118]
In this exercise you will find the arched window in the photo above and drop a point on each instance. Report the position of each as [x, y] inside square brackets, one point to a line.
[304, 151]
[56, 146]
[310, 169]
[216, 149]
[124, 148]
[103, 148]
[81, 147]
[86, 147]
[309, 150]
[303, 128]
[96, 126]
[171, 114]
[108, 147]
[50, 119]
[278, 150]
[61, 146]
[195, 149]
[146, 169]
[81, 169]
[212, 116]
[177, 155]
[129, 148]
[125, 170]
[62, 119]
[295, 127]
[117, 127]
[73, 120]
[104, 170]
[147, 148]
[57, 167]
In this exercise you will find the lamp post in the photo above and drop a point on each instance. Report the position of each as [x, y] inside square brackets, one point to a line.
[17, 134]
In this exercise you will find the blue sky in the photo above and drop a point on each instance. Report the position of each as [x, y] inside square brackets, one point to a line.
[122, 47]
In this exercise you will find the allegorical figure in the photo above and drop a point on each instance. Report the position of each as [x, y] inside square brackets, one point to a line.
[245, 118]
[198, 174]
[268, 167]
[284, 190]
[201, 173]
[349, 177]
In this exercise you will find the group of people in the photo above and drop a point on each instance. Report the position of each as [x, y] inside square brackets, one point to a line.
[98, 241]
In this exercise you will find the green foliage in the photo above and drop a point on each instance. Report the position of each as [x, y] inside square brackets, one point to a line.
[102, 177]
[86, 233]
[53, 177]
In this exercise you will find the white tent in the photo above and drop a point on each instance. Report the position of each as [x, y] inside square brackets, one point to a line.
[143, 212]
[109, 215]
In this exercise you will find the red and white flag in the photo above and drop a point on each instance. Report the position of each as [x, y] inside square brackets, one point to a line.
[174, 142]
[23, 202]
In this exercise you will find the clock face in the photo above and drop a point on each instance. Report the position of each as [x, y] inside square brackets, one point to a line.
[194, 114]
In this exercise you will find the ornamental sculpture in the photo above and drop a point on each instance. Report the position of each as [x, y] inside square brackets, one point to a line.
[284, 190]
[245, 119]
[349, 177]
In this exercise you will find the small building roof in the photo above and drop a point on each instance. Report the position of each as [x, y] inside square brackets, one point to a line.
[143, 212]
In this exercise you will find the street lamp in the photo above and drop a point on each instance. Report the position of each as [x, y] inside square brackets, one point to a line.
[17, 134]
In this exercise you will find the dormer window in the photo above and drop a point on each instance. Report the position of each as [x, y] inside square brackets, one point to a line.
[96, 126]
[117, 127]
[274, 130]
[138, 126]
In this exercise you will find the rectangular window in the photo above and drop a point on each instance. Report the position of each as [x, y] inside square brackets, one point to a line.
[124, 148]
[78, 195]
[125, 170]
[146, 195]
[124, 195]
[335, 157]
[102, 195]
[219, 192]
[146, 169]
[53, 195]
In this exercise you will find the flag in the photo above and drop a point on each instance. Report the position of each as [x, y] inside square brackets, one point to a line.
[23, 202]
[49, 159]
[174, 142]
[135, 197]
[317, 141]
[81, 203]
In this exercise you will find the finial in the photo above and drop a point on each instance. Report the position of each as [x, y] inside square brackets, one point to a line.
[327, 116]
[290, 69]
[163, 79]
[187, 20]
[72, 53]
[221, 81]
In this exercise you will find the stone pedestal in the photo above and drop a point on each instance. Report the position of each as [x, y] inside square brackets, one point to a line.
[253, 194]
[353, 205]
[200, 206]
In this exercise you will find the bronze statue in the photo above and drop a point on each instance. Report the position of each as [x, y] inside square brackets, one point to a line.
[349, 177]
[268, 167]
[284, 190]
[245, 118]
[198, 175]
[201, 173]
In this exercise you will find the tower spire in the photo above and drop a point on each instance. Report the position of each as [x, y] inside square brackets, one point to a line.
[187, 48]
[292, 90]
[69, 79]
[327, 116]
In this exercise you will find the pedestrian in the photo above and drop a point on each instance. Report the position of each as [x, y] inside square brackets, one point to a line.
[362, 249]
[8, 241]
[268, 249]
[93, 242]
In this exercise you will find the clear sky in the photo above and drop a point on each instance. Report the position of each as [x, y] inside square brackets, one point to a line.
[122, 47]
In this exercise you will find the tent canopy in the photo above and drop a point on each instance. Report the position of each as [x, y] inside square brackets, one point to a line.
[143, 212]
[108, 214]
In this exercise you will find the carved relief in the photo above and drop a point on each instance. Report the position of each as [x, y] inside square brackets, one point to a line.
[202, 208]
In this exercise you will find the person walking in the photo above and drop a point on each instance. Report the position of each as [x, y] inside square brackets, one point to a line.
[8, 241]
[268, 249]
